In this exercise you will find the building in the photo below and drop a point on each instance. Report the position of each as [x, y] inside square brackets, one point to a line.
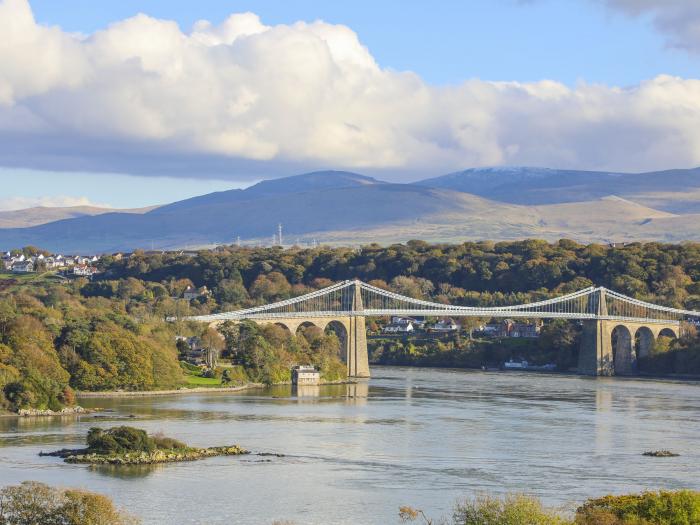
[305, 375]
[417, 323]
[398, 328]
[510, 328]
[83, 270]
[23, 267]
[444, 326]
[191, 293]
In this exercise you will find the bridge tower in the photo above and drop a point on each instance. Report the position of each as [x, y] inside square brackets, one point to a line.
[357, 356]
[595, 356]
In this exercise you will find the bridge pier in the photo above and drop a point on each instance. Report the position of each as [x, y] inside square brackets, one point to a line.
[358, 357]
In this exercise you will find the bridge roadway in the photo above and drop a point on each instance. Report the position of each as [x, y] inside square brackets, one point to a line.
[617, 330]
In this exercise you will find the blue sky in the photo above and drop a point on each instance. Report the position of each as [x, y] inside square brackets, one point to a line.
[121, 111]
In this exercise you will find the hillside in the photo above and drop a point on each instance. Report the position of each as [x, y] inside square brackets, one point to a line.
[347, 208]
[676, 191]
[43, 214]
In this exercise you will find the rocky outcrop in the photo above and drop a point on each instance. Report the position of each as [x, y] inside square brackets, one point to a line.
[150, 458]
[67, 411]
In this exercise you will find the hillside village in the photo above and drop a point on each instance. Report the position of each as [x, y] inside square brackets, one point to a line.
[78, 265]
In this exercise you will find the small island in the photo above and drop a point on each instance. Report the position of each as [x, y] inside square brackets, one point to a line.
[660, 454]
[125, 445]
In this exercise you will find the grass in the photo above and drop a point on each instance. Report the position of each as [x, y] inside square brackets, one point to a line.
[193, 377]
[195, 381]
[13, 280]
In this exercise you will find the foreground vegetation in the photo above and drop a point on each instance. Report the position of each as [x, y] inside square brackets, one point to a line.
[648, 508]
[58, 336]
[132, 446]
[33, 503]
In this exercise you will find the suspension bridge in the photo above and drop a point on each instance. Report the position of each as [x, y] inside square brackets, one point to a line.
[617, 330]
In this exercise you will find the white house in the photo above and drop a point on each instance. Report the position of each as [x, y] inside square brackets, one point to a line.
[444, 325]
[23, 267]
[305, 375]
[398, 328]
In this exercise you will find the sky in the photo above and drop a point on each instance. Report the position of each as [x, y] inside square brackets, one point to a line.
[129, 103]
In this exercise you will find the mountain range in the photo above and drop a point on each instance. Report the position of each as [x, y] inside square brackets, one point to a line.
[348, 208]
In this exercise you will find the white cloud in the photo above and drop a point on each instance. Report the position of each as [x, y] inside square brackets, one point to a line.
[58, 201]
[144, 96]
[679, 20]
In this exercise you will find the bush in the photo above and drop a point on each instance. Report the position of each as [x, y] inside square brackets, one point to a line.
[164, 443]
[119, 440]
[209, 373]
[510, 510]
[33, 503]
[235, 375]
[187, 367]
[658, 508]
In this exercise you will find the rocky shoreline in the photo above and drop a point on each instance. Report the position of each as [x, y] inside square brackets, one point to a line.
[145, 458]
[195, 390]
[184, 390]
[67, 411]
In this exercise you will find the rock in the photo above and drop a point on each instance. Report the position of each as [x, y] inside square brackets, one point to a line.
[661, 454]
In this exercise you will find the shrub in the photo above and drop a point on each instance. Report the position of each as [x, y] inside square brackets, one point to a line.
[680, 507]
[119, 440]
[510, 510]
[165, 442]
[33, 502]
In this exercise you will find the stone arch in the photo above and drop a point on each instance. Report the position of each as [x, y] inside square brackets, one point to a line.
[284, 325]
[307, 324]
[668, 332]
[341, 331]
[624, 360]
[643, 342]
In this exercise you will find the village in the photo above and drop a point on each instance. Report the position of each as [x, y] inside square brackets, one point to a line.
[402, 326]
[76, 265]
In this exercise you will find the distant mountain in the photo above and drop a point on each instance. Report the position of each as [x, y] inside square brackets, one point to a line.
[347, 208]
[44, 214]
[666, 190]
[345, 201]
[315, 181]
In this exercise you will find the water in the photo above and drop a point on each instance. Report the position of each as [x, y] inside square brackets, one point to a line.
[355, 453]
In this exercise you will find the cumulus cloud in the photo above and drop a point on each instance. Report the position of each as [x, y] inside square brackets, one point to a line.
[144, 96]
[679, 20]
[57, 201]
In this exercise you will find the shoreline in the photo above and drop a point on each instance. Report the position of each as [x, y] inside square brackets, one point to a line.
[169, 392]
[194, 390]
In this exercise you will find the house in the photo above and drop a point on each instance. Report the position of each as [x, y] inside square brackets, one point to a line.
[510, 328]
[195, 354]
[396, 320]
[398, 328]
[305, 375]
[23, 267]
[444, 326]
[83, 270]
[191, 293]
